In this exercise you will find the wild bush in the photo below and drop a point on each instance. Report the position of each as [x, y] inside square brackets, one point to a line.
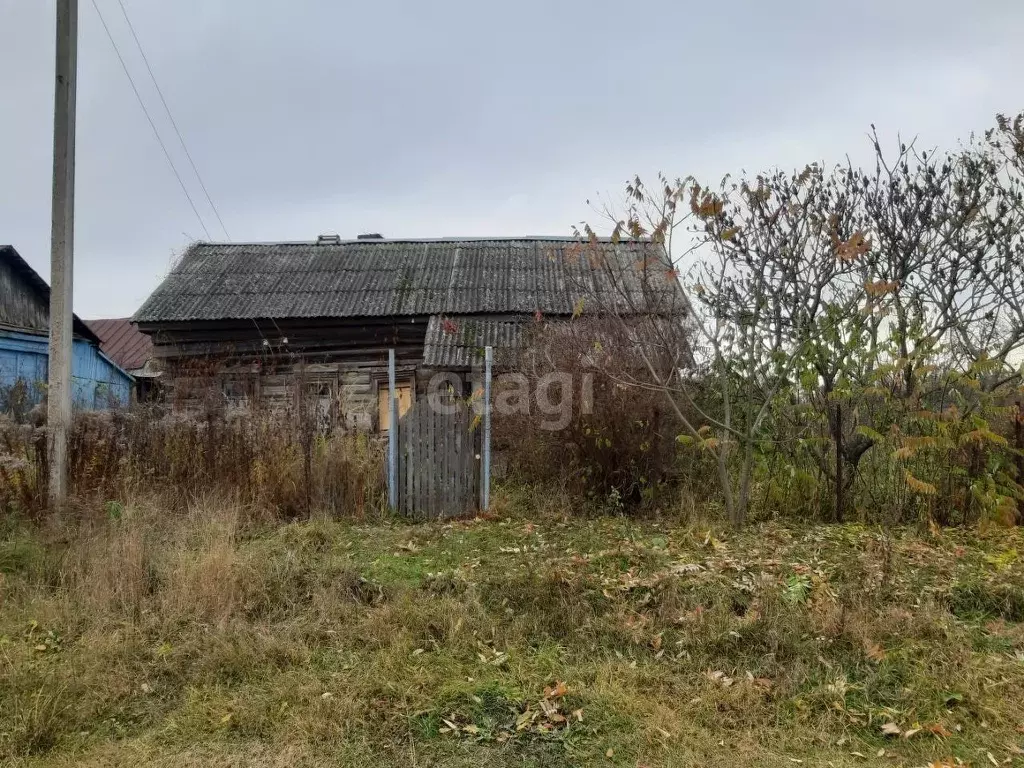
[613, 447]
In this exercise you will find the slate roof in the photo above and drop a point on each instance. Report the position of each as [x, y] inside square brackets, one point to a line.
[458, 341]
[122, 342]
[378, 278]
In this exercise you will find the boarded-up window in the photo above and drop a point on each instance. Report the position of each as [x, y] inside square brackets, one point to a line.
[403, 392]
[239, 389]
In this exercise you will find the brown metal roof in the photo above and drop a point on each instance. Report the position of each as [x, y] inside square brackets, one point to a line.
[122, 342]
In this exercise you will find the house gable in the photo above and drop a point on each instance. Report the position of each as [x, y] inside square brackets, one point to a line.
[25, 302]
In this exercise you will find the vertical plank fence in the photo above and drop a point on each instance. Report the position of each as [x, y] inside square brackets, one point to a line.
[439, 458]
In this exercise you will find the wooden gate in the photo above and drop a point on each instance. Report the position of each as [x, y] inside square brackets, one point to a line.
[438, 469]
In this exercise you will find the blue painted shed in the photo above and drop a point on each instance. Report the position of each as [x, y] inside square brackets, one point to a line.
[97, 382]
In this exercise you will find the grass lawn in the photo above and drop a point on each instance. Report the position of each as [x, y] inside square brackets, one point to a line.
[187, 637]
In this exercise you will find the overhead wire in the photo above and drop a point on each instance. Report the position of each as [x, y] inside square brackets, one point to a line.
[152, 125]
[174, 124]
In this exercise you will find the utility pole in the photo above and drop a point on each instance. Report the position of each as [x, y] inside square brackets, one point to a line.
[62, 237]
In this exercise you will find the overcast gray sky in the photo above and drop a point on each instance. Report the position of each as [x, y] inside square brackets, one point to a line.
[460, 117]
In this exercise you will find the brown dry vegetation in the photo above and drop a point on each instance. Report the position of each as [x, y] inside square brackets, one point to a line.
[263, 458]
[200, 632]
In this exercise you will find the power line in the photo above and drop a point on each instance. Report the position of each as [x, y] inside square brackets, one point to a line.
[150, 119]
[167, 109]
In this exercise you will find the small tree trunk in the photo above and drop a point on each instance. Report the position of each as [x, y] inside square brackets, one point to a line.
[746, 470]
[837, 436]
[726, 482]
[1018, 441]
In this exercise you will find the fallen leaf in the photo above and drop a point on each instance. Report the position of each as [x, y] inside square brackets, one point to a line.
[471, 729]
[874, 651]
[610, 752]
[891, 729]
[991, 758]
[911, 732]
[557, 691]
[880, 753]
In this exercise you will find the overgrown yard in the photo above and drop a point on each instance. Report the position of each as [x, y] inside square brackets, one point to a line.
[189, 637]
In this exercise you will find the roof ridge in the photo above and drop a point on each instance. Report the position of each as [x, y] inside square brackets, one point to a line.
[386, 241]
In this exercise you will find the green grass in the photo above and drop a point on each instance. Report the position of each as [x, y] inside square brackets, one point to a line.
[191, 637]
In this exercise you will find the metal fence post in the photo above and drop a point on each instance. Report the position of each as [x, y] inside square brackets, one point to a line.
[392, 434]
[485, 480]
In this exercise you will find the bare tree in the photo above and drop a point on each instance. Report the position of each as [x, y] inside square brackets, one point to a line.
[765, 259]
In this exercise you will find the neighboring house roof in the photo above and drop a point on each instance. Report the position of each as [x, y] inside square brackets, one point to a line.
[381, 278]
[122, 342]
[40, 287]
[459, 341]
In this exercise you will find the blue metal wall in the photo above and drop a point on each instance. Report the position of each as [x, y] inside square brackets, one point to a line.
[96, 381]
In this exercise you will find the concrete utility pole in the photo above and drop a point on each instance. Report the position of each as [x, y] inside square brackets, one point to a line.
[62, 236]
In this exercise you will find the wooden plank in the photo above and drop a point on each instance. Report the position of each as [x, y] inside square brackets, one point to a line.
[463, 446]
[475, 475]
[422, 462]
[431, 474]
[449, 456]
[444, 444]
[470, 498]
[407, 457]
[455, 442]
[442, 452]
[441, 443]
[403, 465]
[451, 473]
[417, 497]
[467, 458]
[459, 451]
[431, 469]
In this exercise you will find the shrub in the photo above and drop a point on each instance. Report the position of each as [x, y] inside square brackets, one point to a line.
[612, 445]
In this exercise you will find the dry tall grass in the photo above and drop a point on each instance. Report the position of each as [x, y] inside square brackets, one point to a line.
[266, 459]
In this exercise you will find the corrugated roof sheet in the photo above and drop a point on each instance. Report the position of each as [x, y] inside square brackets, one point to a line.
[122, 342]
[458, 341]
[368, 278]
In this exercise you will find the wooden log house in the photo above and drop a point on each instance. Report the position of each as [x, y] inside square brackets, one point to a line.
[256, 317]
